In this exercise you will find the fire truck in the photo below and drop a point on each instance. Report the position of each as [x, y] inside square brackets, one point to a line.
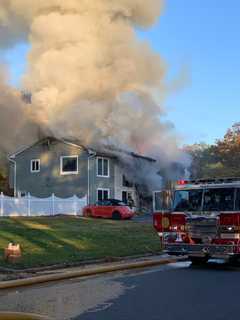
[203, 221]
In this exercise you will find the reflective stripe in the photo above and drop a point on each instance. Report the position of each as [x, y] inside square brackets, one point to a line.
[230, 236]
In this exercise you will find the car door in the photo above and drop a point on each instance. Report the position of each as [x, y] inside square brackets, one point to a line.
[106, 209]
[94, 210]
[99, 209]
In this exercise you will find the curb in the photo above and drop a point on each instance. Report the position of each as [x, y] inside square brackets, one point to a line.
[83, 273]
[56, 267]
[20, 316]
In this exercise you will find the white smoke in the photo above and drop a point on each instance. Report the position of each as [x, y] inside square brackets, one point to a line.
[89, 74]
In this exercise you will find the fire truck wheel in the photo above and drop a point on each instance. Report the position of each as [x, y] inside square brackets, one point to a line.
[234, 261]
[198, 260]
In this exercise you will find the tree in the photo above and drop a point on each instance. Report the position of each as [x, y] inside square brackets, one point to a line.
[4, 185]
[229, 151]
[221, 159]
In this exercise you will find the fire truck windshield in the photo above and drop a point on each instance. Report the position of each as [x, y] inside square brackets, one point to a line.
[212, 199]
[219, 199]
[188, 200]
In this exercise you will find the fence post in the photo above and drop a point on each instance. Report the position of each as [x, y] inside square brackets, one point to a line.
[2, 198]
[53, 204]
[75, 205]
[29, 204]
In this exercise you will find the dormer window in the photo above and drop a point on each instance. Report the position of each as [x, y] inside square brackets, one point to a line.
[35, 165]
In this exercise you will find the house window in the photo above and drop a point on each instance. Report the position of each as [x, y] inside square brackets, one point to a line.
[103, 167]
[126, 196]
[69, 165]
[103, 194]
[126, 183]
[35, 165]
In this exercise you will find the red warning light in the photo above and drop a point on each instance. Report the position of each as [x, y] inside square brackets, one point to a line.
[182, 182]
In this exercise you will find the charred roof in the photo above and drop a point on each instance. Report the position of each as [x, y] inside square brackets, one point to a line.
[103, 150]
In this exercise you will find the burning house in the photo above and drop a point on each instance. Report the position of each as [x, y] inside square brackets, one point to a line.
[90, 77]
[66, 168]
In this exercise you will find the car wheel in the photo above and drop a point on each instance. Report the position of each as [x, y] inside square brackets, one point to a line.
[116, 215]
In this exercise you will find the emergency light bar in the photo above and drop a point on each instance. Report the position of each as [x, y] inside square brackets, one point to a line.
[208, 181]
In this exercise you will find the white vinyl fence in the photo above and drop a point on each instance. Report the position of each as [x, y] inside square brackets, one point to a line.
[32, 207]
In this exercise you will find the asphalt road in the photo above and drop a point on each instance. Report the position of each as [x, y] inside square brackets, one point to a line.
[172, 292]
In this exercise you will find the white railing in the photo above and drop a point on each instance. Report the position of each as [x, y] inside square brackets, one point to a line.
[32, 207]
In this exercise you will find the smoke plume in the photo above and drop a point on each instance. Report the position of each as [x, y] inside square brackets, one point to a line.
[89, 75]
[16, 125]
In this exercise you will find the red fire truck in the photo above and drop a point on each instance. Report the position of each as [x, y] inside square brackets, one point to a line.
[204, 220]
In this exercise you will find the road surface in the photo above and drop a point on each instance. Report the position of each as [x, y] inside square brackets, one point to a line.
[172, 292]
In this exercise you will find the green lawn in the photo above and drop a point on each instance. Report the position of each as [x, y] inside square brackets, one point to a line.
[47, 241]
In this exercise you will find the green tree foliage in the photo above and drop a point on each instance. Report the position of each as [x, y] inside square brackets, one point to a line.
[219, 160]
[4, 187]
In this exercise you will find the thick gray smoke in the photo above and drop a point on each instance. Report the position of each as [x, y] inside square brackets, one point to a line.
[89, 74]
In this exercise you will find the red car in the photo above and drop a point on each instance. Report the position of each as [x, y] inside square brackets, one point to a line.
[111, 208]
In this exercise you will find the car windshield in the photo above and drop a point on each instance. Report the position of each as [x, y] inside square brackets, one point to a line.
[110, 202]
[117, 202]
[188, 200]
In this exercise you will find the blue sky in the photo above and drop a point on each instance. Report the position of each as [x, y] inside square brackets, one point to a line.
[203, 37]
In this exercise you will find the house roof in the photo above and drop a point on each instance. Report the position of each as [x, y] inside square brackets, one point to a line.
[105, 150]
[116, 152]
[23, 149]
[109, 150]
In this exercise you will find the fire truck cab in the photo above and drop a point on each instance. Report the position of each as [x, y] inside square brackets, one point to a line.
[203, 221]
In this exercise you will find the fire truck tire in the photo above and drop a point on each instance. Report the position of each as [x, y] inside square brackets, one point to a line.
[198, 260]
[234, 261]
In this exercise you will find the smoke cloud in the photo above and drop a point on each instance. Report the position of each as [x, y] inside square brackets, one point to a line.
[16, 125]
[89, 75]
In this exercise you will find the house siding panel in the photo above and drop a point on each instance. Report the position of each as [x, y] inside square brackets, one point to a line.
[49, 180]
[11, 175]
[101, 182]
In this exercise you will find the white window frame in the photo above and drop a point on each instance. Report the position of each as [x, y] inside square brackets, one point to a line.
[63, 173]
[103, 189]
[39, 165]
[103, 176]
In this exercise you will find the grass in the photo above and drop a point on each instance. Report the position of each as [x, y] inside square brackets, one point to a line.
[47, 241]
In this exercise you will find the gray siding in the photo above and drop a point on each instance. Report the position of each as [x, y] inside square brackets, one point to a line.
[11, 175]
[49, 180]
[101, 182]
